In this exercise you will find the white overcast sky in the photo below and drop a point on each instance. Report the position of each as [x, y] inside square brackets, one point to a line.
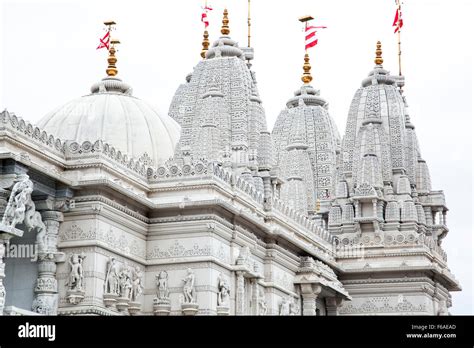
[48, 57]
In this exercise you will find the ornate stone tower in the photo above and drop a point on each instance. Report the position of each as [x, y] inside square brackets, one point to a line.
[221, 114]
[307, 144]
[384, 204]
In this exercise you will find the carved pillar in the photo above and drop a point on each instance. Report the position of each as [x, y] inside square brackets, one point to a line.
[46, 289]
[310, 293]
[240, 294]
[332, 305]
[267, 190]
[374, 207]
[428, 216]
[357, 210]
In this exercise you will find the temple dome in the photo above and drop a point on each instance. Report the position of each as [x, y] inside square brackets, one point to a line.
[307, 140]
[112, 114]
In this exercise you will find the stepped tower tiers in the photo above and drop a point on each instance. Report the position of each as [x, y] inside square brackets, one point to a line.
[307, 145]
[221, 114]
[113, 115]
[385, 205]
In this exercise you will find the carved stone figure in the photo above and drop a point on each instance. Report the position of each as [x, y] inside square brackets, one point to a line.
[16, 207]
[137, 287]
[125, 282]
[21, 209]
[294, 307]
[284, 307]
[188, 289]
[224, 292]
[162, 285]
[76, 274]
[112, 277]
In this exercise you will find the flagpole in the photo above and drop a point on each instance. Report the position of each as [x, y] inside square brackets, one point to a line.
[306, 78]
[399, 39]
[249, 26]
[205, 37]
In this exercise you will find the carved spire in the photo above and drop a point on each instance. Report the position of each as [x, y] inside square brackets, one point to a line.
[378, 53]
[225, 23]
[307, 78]
[112, 60]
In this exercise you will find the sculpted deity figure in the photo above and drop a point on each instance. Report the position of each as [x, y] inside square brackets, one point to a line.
[21, 208]
[162, 284]
[294, 308]
[224, 292]
[76, 275]
[125, 282]
[188, 288]
[137, 287]
[16, 207]
[284, 307]
[262, 304]
[112, 277]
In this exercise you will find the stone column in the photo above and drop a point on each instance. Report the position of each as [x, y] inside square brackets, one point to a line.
[428, 216]
[240, 294]
[374, 207]
[332, 305]
[46, 289]
[310, 293]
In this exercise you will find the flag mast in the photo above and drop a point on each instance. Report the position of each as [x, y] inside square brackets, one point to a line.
[399, 38]
[205, 41]
[306, 78]
[249, 26]
[112, 60]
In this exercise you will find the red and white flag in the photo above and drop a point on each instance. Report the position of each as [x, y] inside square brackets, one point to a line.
[105, 41]
[311, 39]
[398, 22]
[204, 17]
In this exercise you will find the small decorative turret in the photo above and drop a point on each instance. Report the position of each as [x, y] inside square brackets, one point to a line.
[225, 24]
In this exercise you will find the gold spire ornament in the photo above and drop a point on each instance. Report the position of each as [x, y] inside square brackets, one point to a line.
[205, 44]
[378, 54]
[307, 78]
[225, 23]
[112, 60]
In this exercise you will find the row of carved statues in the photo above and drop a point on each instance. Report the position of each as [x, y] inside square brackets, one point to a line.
[125, 281]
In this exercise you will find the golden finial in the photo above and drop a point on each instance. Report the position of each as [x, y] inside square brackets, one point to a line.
[112, 69]
[225, 23]
[205, 44]
[318, 206]
[307, 78]
[378, 52]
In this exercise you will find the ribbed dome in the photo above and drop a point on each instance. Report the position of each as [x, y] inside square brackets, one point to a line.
[113, 115]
